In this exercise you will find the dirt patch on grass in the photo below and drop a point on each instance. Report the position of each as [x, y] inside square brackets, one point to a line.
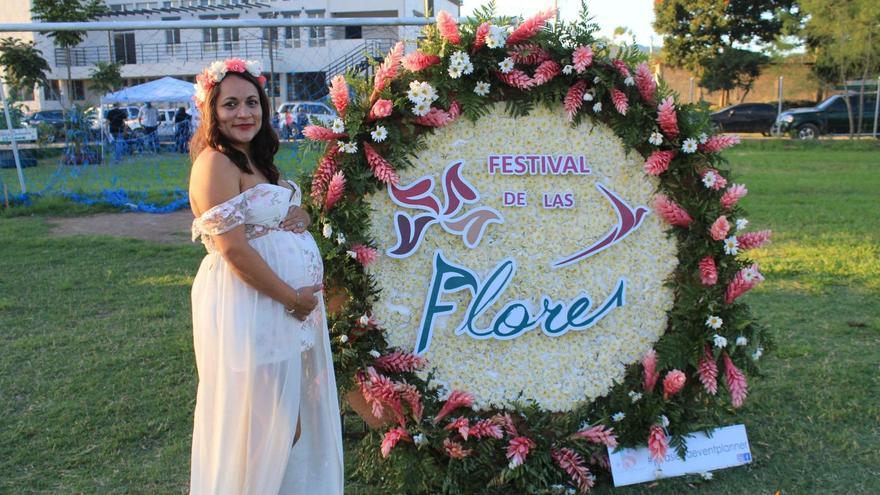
[170, 228]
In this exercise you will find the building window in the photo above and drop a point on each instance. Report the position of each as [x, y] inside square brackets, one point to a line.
[77, 88]
[291, 33]
[354, 32]
[273, 84]
[124, 49]
[316, 33]
[289, 87]
[172, 36]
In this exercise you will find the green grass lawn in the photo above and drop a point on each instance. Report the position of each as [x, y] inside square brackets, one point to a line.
[97, 376]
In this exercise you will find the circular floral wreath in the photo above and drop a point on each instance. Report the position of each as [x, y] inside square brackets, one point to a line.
[433, 440]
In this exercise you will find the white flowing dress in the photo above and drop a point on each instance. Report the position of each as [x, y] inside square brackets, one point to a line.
[259, 368]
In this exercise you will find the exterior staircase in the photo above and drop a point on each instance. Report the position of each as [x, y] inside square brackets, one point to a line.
[357, 59]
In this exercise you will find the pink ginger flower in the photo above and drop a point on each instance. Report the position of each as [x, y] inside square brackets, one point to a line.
[506, 422]
[645, 82]
[393, 436]
[486, 428]
[365, 254]
[528, 54]
[621, 104]
[753, 240]
[621, 67]
[327, 166]
[546, 72]
[339, 94]
[719, 142]
[387, 71]
[574, 98]
[480, 37]
[658, 444]
[667, 119]
[736, 381]
[601, 459]
[581, 58]
[236, 65]
[673, 383]
[462, 425]
[744, 281]
[382, 169]
[718, 181]
[448, 27]
[334, 190]
[708, 271]
[437, 117]
[381, 109]
[707, 371]
[417, 61]
[318, 133]
[598, 434]
[530, 27]
[456, 399]
[410, 394]
[518, 449]
[659, 162]
[732, 195]
[573, 464]
[719, 228]
[671, 212]
[380, 392]
[400, 362]
[517, 79]
[650, 373]
[455, 450]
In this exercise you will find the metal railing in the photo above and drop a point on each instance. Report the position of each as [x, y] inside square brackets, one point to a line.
[145, 53]
[356, 59]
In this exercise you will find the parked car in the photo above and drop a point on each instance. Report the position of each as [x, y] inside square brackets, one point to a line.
[746, 117]
[828, 117]
[316, 111]
[54, 118]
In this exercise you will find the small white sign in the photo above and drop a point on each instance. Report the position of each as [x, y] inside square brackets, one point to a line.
[26, 134]
[728, 447]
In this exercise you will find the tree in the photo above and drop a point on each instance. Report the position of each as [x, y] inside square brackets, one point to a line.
[105, 77]
[731, 69]
[24, 65]
[67, 11]
[696, 32]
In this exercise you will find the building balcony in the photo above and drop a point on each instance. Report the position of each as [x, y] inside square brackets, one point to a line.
[146, 53]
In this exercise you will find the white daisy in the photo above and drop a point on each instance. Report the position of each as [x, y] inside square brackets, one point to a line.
[482, 88]
[422, 108]
[720, 342]
[689, 145]
[618, 417]
[454, 71]
[567, 69]
[338, 126]
[741, 223]
[379, 134]
[731, 246]
[416, 92]
[468, 68]
[742, 341]
[497, 37]
[351, 147]
[703, 138]
[714, 322]
[656, 138]
[709, 179]
[750, 274]
[597, 107]
[506, 65]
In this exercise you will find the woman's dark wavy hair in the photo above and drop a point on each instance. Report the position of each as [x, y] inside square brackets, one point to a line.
[263, 146]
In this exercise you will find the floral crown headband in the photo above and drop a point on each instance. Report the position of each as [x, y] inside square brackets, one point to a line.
[214, 73]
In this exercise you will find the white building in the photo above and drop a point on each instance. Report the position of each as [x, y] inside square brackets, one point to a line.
[302, 62]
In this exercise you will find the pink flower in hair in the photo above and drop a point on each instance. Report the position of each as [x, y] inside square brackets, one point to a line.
[236, 65]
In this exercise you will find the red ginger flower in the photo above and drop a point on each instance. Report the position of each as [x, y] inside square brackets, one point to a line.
[621, 67]
[708, 271]
[581, 58]
[650, 373]
[517, 79]
[318, 133]
[455, 450]
[671, 212]
[480, 37]
[720, 228]
[411, 395]
[574, 98]
[381, 109]
[736, 381]
[339, 94]
[744, 281]
[658, 444]
[393, 436]
[462, 425]
[456, 399]
[417, 61]
[707, 371]
[753, 240]
[732, 195]
[645, 82]
[506, 422]
[598, 434]
[621, 104]
[387, 71]
[326, 168]
[719, 183]
[530, 27]
[437, 117]
[528, 54]
[380, 392]
[667, 119]
[673, 383]
[364, 254]
[381, 168]
[659, 162]
[486, 428]
[399, 361]
[334, 190]
[573, 464]
[546, 72]
[518, 449]
[448, 27]
[719, 142]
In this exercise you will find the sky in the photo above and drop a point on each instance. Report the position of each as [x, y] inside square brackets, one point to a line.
[637, 15]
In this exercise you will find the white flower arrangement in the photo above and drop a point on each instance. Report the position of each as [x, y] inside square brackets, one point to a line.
[731, 246]
[709, 179]
[379, 134]
[338, 126]
[506, 65]
[714, 322]
[497, 36]
[689, 146]
[482, 88]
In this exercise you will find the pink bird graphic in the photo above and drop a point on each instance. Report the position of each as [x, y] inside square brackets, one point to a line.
[628, 220]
